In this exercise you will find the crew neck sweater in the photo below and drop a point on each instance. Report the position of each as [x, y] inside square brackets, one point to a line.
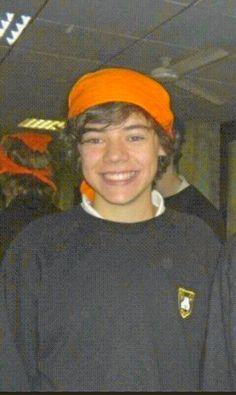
[157, 201]
[95, 305]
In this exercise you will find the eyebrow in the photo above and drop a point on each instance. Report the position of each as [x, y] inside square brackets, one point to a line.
[126, 128]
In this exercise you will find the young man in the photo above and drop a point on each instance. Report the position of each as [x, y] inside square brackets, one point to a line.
[184, 197]
[112, 295]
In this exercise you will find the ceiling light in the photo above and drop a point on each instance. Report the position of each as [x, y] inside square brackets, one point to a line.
[47, 124]
[18, 29]
[5, 22]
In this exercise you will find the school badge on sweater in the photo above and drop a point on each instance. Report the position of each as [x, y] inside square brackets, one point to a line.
[185, 302]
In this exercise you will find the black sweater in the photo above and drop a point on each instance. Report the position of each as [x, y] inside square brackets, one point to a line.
[21, 211]
[191, 201]
[93, 304]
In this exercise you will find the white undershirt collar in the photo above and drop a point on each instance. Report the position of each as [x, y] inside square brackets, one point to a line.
[157, 201]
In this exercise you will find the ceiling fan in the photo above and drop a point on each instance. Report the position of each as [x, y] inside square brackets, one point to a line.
[172, 73]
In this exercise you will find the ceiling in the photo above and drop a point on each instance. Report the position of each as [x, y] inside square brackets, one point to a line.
[66, 38]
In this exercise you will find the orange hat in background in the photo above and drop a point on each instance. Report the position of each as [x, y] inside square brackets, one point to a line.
[121, 85]
[34, 141]
[9, 166]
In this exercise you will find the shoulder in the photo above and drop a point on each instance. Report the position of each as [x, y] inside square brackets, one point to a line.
[192, 201]
[191, 195]
[48, 229]
[198, 196]
[33, 248]
[192, 230]
[192, 244]
[189, 223]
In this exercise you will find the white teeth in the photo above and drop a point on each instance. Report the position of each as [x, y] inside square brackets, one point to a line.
[119, 176]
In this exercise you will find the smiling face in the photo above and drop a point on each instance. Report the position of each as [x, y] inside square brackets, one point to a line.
[120, 162]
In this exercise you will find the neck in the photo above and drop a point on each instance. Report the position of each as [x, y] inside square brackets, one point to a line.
[126, 213]
[170, 182]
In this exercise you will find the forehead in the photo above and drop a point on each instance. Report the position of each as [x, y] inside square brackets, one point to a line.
[132, 119]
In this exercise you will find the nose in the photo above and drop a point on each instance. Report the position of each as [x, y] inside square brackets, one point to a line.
[116, 151]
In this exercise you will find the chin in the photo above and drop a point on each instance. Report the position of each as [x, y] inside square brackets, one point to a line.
[119, 200]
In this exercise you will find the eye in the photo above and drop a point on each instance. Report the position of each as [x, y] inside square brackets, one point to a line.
[135, 137]
[92, 140]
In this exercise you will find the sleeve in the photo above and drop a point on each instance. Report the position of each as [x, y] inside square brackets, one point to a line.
[12, 374]
[217, 363]
[19, 309]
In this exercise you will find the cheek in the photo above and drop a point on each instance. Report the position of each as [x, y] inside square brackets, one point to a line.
[83, 159]
[151, 156]
[152, 161]
[89, 160]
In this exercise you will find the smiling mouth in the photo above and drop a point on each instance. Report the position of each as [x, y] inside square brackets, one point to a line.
[119, 176]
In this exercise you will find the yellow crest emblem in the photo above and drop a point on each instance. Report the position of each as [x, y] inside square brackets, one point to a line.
[185, 302]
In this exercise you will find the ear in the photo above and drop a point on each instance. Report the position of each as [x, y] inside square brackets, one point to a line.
[79, 149]
[161, 151]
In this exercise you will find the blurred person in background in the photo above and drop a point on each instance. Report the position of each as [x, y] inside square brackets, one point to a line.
[26, 184]
[182, 196]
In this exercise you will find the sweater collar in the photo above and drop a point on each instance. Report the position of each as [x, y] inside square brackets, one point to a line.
[157, 201]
